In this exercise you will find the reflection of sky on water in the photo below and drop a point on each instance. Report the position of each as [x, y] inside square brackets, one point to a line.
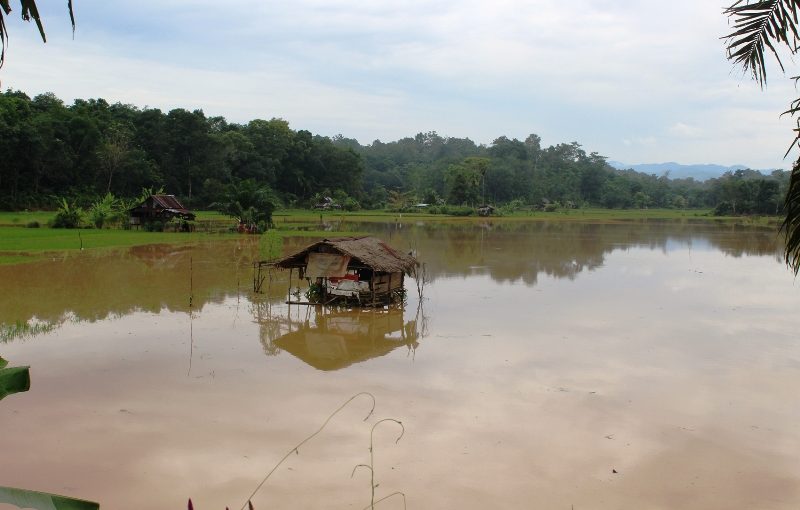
[671, 359]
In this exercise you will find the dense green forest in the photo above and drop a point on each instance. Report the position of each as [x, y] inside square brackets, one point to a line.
[81, 152]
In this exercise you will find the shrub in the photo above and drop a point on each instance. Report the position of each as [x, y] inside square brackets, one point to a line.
[724, 208]
[153, 226]
[102, 210]
[452, 210]
[33, 224]
[351, 204]
[68, 216]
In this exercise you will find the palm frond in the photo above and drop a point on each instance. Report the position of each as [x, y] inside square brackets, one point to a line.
[71, 16]
[791, 225]
[5, 9]
[758, 25]
[29, 11]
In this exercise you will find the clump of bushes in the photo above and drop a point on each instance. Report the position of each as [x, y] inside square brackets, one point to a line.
[68, 216]
[452, 210]
[33, 224]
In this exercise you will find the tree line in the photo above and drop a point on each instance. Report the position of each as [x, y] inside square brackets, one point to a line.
[82, 152]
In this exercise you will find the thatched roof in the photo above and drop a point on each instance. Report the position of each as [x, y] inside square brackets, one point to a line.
[369, 251]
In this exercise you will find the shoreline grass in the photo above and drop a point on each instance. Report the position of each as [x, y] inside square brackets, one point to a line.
[20, 245]
[297, 216]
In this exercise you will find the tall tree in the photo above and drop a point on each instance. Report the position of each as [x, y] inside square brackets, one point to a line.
[114, 149]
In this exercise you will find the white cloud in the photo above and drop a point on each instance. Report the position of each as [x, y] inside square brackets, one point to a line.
[685, 130]
[610, 74]
[640, 140]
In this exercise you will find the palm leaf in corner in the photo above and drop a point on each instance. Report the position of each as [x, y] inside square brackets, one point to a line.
[23, 498]
[29, 11]
[758, 25]
[791, 225]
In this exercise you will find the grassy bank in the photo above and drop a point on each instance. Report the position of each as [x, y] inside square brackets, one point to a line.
[19, 244]
[23, 218]
[299, 216]
[305, 216]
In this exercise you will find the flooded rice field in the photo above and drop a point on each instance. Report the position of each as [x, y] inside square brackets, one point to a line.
[569, 365]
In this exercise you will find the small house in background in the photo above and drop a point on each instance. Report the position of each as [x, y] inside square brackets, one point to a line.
[486, 210]
[327, 203]
[361, 271]
[159, 208]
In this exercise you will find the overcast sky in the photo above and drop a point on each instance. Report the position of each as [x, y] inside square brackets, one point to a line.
[636, 81]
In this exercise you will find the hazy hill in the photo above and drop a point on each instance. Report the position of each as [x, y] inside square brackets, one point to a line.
[678, 171]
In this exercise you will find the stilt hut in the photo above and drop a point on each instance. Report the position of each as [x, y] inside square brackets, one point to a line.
[350, 270]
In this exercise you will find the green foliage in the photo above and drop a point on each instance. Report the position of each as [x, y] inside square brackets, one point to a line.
[741, 192]
[248, 202]
[766, 24]
[452, 210]
[270, 245]
[68, 216]
[33, 224]
[13, 379]
[791, 225]
[513, 206]
[23, 498]
[351, 204]
[314, 293]
[148, 192]
[153, 226]
[463, 181]
[83, 151]
[102, 210]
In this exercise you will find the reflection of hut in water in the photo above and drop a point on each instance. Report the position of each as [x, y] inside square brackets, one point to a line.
[335, 340]
[363, 271]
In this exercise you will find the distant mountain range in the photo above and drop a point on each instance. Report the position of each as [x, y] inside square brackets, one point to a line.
[678, 171]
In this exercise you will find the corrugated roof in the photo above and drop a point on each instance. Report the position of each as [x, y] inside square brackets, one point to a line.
[370, 251]
[168, 202]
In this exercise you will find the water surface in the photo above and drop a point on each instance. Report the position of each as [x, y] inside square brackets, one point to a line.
[544, 358]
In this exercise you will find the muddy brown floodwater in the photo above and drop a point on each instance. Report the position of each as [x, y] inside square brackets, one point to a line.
[570, 365]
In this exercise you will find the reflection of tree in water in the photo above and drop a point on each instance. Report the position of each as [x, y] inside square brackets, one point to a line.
[332, 339]
[93, 286]
[90, 286]
[23, 330]
[509, 250]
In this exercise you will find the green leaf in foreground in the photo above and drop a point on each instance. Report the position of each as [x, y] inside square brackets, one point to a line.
[13, 380]
[43, 501]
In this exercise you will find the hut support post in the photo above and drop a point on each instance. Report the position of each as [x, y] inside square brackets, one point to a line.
[289, 298]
